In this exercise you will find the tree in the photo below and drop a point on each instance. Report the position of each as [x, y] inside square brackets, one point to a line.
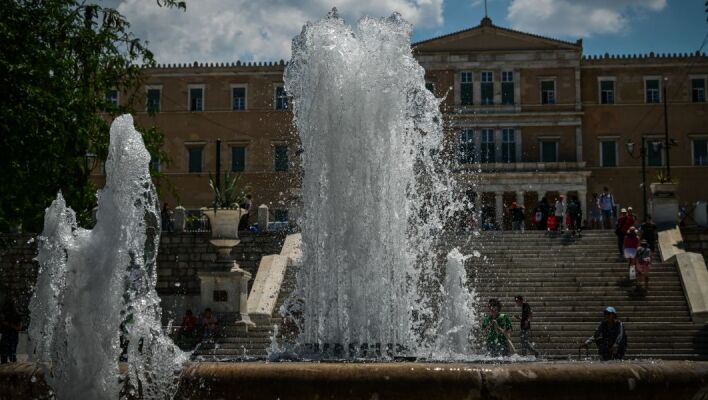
[58, 59]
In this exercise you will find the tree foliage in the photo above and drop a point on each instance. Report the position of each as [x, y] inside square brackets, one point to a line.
[58, 59]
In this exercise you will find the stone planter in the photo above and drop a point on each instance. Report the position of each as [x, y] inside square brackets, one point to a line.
[663, 206]
[224, 222]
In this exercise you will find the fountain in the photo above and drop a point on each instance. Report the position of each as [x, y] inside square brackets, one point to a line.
[376, 190]
[97, 284]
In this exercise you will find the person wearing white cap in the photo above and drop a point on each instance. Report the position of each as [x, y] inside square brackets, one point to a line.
[610, 337]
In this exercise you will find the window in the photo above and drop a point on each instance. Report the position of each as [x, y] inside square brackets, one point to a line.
[196, 98]
[651, 87]
[467, 149]
[607, 92]
[466, 89]
[430, 86]
[548, 92]
[195, 159]
[507, 87]
[238, 98]
[238, 159]
[487, 87]
[608, 153]
[698, 90]
[549, 151]
[281, 215]
[700, 151]
[112, 97]
[508, 145]
[281, 98]
[280, 155]
[487, 146]
[655, 158]
[153, 100]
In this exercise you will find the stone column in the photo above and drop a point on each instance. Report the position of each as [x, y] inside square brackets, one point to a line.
[520, 203]
[520, 198]
[583, 197]
[263, 218]
[180, 219]
[578, 144]
[499, 208]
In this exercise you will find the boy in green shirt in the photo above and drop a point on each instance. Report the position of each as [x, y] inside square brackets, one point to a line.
[497, 327]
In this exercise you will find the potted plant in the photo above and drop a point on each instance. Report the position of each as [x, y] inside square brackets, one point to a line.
[226, 213]
[664, 184]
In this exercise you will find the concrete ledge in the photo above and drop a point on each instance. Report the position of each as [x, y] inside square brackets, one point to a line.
[292, 250]
[670, 243]
[412, 381]
[694, 278]
[266, 288]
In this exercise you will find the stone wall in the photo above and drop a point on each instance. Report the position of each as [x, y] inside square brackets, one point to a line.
[696, 240]
[180, 258]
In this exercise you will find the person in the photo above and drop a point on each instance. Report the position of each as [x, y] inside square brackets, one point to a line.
[545, 208]
[538, 221]
[188, 329]
[643, 265]
[525, 326]
[560, 212]
[246, 204]
[606, 202]
[497, 327]
[630, 245]
[595, 213]
[10, 327]
[517, 217]
[552, 223]
[648, 232]
[574, 214]
[610, 337]
[166, 216]
[621, 229]
[209, 324]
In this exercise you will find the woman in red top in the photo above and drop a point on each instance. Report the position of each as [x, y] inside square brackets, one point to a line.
[631, 243]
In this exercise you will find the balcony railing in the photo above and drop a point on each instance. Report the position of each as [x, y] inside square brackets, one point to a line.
[525, 166]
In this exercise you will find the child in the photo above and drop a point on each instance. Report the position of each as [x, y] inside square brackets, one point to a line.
[643, 264]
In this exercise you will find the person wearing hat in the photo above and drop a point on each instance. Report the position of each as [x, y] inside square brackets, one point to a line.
[610, 337]
[643, 264]
[631, 244]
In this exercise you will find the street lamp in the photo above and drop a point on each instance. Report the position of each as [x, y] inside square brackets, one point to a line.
[667, 145]
[643, 155]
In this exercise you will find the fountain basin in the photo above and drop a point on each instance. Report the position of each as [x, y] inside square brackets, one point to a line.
[300, 380]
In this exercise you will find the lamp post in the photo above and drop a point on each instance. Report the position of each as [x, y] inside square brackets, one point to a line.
[643, 155]
[667, 145]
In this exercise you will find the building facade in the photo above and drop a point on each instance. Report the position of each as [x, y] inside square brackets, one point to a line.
[535, 115]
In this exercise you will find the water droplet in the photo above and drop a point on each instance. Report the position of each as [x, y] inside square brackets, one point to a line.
[33, 379]
[177, 284]
[476, 253]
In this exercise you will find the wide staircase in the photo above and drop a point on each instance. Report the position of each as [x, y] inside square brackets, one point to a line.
[569, 280]
[232, 344]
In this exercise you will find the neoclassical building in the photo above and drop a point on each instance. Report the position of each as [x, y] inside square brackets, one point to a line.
[537, 117]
